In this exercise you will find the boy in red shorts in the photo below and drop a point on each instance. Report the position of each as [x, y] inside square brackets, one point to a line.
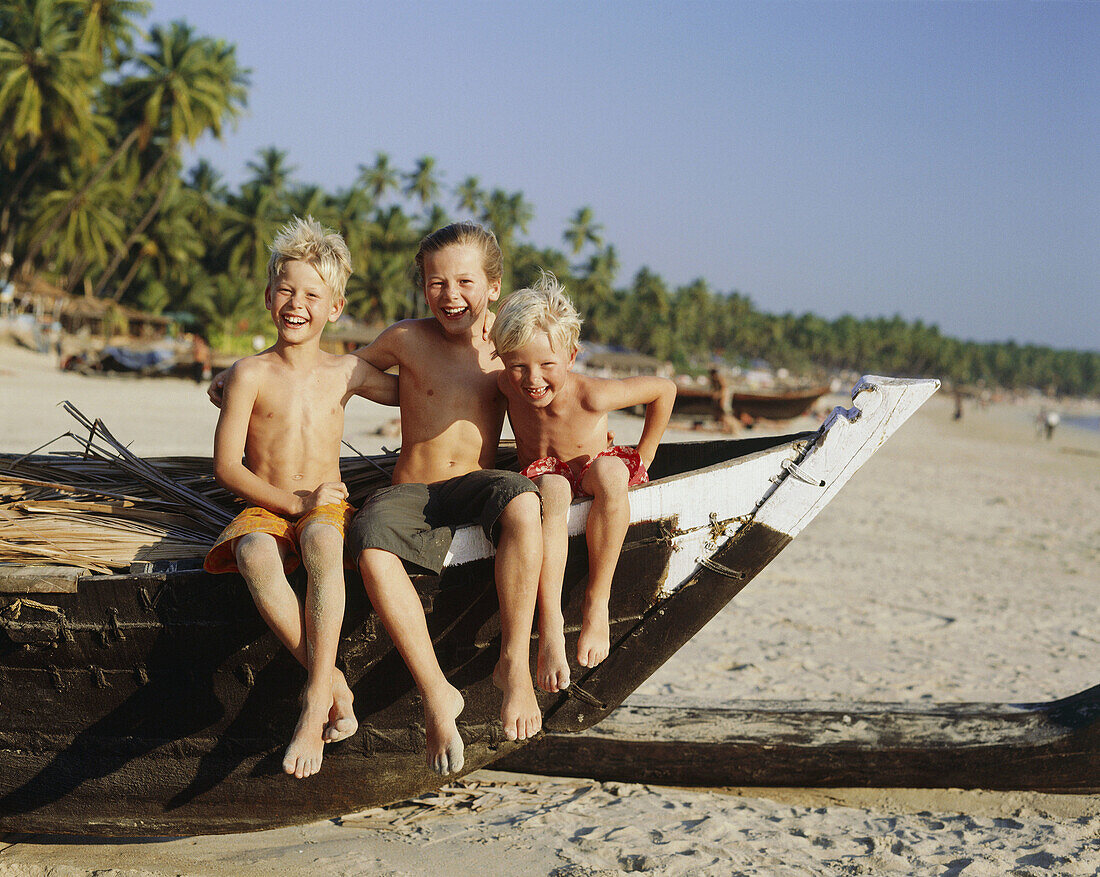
[559, 419]
[277, 446]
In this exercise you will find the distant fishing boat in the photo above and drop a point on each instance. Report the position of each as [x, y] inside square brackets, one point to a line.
[721, 400]
[156, 702]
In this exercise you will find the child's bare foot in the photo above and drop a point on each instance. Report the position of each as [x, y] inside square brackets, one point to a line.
[553, 667]
[594, 642]
[307, 746]
[520, 712]
[341, 717]
[444, 743]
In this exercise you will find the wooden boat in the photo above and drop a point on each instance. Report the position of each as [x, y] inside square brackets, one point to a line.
[1045, 747]
[721, 400]
[156, 702]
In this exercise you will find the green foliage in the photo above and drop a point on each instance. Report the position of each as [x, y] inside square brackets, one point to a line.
[92, 115]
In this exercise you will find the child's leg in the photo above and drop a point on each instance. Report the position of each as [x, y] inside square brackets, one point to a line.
[606, 480]
[517, 566]
[322, 549]
[260, 559]
[553, 666]
[395, 600]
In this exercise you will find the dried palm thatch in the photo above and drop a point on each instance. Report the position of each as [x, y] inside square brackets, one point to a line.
[102, 507]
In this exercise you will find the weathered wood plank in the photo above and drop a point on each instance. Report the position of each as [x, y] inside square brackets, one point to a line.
[39, 579]
[1049, 747]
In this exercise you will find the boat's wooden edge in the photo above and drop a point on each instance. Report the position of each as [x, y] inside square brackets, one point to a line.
[39, 579]
[1047, 747]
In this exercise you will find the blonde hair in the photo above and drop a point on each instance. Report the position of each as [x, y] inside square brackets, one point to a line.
[463, 234]
[544, 307]
[306, 240]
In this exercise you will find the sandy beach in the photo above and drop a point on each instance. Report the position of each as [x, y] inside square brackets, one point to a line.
[962, 563]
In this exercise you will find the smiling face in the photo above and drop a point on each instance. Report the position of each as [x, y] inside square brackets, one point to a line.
[301, 303]
[536, 371]
[457, 289]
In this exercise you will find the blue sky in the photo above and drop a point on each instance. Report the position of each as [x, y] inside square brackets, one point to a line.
[935, 160]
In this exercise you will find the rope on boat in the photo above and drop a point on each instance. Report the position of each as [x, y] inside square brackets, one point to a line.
[720, 568]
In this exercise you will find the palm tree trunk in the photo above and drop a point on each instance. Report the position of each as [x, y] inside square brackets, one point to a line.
[5, 211]
[130, 275]
[76, 272]
[125, 248]
[120, 254]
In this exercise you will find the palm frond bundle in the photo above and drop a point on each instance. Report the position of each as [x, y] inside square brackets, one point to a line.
[102, 507]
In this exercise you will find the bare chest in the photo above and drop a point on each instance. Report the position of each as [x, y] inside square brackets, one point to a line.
[574, 436]
[308, 407]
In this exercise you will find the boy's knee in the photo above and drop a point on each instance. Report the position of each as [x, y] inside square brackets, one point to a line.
[321, 537]
[255, 550]
[374, 564]
[606, 475]
[522, 509]
[557, 494]
[321, 543]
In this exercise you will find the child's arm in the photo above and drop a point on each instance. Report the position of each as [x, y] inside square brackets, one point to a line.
[382, 351]
[241, 387]
[658, 396]
[372, 383]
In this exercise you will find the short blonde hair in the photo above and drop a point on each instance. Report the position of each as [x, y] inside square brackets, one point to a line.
[544, 307]
[463, 234]
[306, 240]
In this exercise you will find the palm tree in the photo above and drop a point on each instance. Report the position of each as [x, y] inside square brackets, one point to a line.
[469, 195]
[45, 78]
[379, 178]
[421, 181]
[204, 199]
[172, 246]
[506, 214]
[249, 223]
[186, 86]
[107, 29]
[87, 232]
[583, 230]
[271, 171]
[46, 83]
[436, 218]
[386, 284]
[170, 186]
[310, 200]
[595, 294]
[228, 305]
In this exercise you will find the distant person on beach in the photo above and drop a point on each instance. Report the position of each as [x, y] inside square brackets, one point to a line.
[277, 446]
[1048, 422]
[559, 419]
[451, 418]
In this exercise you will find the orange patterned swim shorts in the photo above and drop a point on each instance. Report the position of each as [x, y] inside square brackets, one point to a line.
[222, 557]
[553, 466]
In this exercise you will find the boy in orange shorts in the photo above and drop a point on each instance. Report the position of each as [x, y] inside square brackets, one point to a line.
[559, 419]
[277, 446]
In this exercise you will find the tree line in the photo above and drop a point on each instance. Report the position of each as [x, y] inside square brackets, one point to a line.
[95, 112]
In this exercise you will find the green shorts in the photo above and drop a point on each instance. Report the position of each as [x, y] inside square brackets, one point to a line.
[417, 521]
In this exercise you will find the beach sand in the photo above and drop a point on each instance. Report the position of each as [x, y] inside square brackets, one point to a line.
[961, 563]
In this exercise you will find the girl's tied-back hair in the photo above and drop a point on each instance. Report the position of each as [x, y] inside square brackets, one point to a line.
[463, 234]
[306, 240]
[544, 307]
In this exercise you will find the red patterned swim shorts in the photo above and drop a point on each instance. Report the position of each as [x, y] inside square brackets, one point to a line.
[553, 466]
